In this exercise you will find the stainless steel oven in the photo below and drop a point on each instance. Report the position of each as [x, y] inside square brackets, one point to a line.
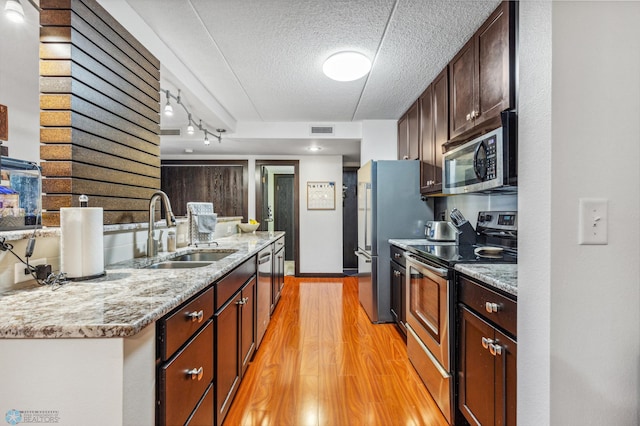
[428, 307]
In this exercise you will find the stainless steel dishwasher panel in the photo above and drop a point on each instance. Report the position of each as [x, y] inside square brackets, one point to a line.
[265, 276]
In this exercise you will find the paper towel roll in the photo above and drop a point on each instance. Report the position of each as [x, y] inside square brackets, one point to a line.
[81, 242]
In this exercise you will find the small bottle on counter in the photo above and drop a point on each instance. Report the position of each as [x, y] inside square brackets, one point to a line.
[171, 240]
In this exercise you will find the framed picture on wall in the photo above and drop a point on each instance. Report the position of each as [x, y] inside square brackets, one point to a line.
[321, 195]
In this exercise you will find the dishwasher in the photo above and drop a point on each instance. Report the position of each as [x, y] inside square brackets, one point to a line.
[264, 292]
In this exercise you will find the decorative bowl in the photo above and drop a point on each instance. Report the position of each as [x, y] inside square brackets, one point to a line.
[248, 227]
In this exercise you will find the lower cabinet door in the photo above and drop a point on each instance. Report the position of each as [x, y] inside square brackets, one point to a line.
[185, 378]
[248, 319]
[506, 382]
[204, 413]
[227, 356]
[477, 374]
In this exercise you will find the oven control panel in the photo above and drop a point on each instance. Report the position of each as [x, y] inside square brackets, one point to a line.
[498, 221]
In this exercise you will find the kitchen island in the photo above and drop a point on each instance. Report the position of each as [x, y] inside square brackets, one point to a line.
[85, 353]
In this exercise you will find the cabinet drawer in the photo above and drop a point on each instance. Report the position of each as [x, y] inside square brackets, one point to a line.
[204, 412]
[229, 285]
[476, 297]
[176, 329]
[397, 255]
[186, 377]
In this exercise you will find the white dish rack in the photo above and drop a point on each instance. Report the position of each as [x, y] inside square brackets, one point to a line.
[195, 236]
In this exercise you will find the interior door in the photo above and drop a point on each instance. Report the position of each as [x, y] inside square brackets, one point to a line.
[349, 219]
[284, 212]
[265, 214]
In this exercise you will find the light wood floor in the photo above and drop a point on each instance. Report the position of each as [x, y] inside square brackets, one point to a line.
[322, 362]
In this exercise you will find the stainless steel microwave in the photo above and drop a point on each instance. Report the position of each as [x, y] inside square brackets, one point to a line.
[486, 163]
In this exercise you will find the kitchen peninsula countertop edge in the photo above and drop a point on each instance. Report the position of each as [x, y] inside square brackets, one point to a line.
[124, 301]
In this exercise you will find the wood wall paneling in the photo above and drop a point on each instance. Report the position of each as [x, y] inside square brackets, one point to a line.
[100, 113]
[223, 183]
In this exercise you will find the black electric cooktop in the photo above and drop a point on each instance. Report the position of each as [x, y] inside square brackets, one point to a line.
[448, 254]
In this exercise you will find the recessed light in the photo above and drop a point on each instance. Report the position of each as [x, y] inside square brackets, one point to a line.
[314, 148]
[346, 66]
[188, 151]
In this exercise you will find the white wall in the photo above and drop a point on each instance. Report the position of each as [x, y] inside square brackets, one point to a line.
[379, 140]
[579, 306]
[19, 88]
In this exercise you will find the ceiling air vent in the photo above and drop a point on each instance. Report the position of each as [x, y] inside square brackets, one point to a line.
[322, 130]
[169, 132]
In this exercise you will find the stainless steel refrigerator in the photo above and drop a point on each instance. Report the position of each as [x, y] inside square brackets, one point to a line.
[389, 207]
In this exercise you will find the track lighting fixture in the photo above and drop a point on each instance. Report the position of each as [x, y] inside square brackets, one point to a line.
[13, 11]
[168, 109]
[190, 129]
[191, 126]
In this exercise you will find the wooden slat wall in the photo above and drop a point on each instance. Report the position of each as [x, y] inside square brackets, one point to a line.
[100, 113]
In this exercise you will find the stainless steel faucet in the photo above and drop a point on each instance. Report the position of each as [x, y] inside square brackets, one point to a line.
[152, 245]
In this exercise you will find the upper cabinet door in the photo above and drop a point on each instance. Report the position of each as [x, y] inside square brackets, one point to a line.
[463, 78]
[414, 132]
[494, 94]
[427, 160]
[482, 75]
[440, 124]
[403, 137]
[409, 134]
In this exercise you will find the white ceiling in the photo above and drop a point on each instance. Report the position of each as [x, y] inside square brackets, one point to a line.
[261, 61]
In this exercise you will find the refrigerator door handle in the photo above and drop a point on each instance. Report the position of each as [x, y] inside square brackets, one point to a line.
[359, 253]
[367, 237]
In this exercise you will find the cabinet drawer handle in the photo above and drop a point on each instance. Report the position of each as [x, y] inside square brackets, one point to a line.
[242, 301]
[195, 373]
[486, 342]
[196, 316]
[491, 307]
[495, 349]
[396, 273]
[397, 255]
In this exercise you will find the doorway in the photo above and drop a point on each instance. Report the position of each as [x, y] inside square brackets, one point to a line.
[277, 204]
[349, 220]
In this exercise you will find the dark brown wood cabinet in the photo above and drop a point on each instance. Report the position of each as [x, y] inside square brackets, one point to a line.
[409, 134]
[434, 132]
[398, 289]
[248, 321]
[185, 362]
[235, 325]
[482, 75]
[487, 355]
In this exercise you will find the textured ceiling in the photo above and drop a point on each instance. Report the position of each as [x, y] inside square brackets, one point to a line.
[262, 59]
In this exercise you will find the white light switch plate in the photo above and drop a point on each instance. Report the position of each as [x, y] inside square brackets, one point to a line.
[592, 221]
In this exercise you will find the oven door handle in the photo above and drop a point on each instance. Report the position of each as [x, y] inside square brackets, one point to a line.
[413, 259]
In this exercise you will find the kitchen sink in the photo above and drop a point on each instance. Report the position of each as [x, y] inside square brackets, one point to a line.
[203, 256]
[170, 264]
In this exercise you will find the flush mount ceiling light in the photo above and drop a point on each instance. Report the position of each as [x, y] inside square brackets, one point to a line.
[13, 11]
[314, 148]
[346, 66]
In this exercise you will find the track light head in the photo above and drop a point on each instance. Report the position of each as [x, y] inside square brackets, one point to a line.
[168, 109]
[206, 138]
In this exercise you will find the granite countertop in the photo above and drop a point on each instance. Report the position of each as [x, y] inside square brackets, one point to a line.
[503, 276]
[121, 303]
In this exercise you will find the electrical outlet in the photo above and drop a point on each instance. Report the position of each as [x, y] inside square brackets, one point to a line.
[19, 271]
[592, 221]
